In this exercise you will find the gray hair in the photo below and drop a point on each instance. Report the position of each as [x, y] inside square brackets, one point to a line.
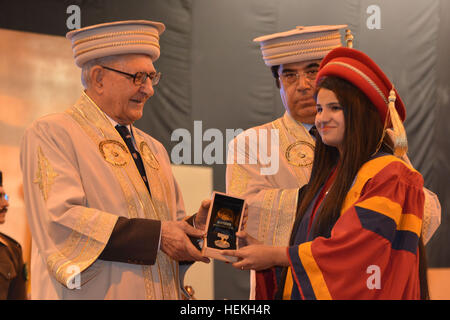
[86, 69]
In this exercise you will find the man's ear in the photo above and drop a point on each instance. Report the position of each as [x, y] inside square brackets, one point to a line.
[97, 77]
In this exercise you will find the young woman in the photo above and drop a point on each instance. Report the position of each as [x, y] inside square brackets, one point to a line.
[357, 230]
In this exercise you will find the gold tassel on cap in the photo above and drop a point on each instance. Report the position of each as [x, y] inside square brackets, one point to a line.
[349, 38]
[399, 133]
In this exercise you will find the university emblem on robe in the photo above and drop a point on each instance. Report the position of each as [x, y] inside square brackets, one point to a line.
[148, 156]
[114, 152]
[300, 154]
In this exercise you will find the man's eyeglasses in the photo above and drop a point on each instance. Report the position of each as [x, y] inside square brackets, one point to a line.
[139, 78]
[290, 77]
[4, 196]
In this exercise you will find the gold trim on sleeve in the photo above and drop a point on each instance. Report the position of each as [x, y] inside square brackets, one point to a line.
[45, 176]
[82, 247]
[265, 215]
[287, 209]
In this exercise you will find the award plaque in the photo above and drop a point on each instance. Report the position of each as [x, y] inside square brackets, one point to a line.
[224, 220]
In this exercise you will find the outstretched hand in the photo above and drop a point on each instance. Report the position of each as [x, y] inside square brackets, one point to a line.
[246, 240]
[202, 215]
[176, 244]
[253, 254]
[258, 257]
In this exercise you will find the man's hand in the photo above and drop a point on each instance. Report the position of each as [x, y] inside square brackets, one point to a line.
[202, 215]
[176, 244]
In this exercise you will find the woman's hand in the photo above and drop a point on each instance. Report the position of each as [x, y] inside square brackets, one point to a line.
[257, 256]
[246, 240]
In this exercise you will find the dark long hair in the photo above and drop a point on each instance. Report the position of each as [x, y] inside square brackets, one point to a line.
[363, 133]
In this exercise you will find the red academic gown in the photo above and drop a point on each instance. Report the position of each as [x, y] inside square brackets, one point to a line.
[372, 252]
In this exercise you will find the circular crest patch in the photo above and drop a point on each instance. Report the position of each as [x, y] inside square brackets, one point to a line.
[114, 152]
[300, 154]
[148, 156]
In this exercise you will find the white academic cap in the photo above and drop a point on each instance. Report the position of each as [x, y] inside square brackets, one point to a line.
[114, 38]
[299, 44]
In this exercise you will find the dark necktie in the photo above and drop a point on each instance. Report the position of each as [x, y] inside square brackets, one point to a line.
[126, 136]
[313, 132]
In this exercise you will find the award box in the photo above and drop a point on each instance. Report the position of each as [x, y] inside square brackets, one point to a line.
[224, 220]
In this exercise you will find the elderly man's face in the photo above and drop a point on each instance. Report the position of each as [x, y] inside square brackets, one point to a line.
[297, 92]
[4, 204]
[123, 100]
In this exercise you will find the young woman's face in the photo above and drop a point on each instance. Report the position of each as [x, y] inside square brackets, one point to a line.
[330, 121]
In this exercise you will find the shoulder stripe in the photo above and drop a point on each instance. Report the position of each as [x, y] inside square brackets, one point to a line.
[391, 209]
[368, 171]
[386, 227]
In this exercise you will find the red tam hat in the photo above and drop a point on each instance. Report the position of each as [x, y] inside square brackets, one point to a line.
[360, 70]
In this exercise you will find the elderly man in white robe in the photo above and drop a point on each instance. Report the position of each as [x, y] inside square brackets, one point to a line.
[105, 212]
[294, 57]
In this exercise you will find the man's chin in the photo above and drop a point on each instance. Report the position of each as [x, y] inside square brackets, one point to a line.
[305, 115]
[136, 112]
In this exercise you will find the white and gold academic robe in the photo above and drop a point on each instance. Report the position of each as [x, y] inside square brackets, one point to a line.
[272, 198]
[78, 178]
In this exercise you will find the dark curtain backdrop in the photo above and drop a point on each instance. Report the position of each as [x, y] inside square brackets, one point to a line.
[213, 73]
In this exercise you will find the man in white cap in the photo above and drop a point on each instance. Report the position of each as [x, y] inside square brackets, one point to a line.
[104, 209]
[294, 57]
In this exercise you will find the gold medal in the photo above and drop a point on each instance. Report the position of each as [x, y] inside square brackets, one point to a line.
[300, 154]
[222, 242]
[148, 156]
[114, 152]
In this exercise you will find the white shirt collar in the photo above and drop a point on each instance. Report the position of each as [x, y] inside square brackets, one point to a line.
[308, 126]
[115, 123]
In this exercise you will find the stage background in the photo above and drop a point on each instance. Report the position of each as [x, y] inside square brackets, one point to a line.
[213, 73]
